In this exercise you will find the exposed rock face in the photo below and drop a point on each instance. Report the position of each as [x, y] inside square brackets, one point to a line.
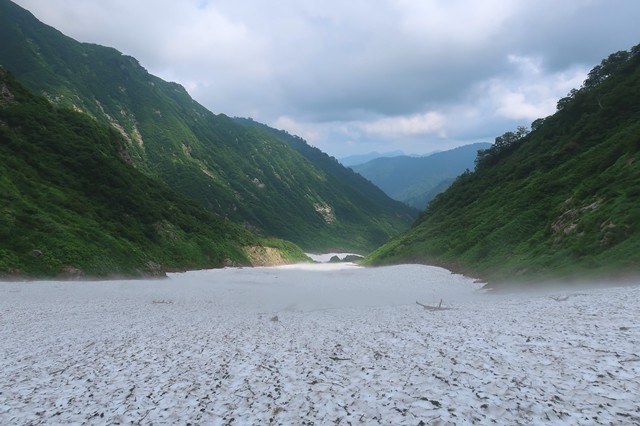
[350, 258]
[71, 273]
[326, 211]
[265, 256]
[228, 263]
[126, 157]
[568, 221]
[6, 94]
[154, 269]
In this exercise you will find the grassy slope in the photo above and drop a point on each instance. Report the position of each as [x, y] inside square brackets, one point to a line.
[68, 201]
[562, 201]
[240, 172]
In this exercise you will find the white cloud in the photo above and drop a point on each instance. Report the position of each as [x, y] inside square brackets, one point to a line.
[529, 91]
[308, 131]
[415, 124]
[448, 21]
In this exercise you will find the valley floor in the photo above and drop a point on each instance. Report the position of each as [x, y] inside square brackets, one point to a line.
[316, 344]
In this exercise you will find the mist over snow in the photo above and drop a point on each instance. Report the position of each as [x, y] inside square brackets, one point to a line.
[356, 77]
[316, 344]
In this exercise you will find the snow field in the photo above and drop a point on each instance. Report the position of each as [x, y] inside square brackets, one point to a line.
[322, 344]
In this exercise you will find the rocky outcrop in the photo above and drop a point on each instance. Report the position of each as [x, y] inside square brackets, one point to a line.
[326, 212]
[265, 256]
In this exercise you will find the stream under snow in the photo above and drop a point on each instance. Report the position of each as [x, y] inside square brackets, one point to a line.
[316, 344]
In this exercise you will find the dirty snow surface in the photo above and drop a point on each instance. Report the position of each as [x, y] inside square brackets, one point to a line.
[316, 344]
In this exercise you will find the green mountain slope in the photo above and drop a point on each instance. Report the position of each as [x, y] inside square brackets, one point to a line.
[362, 195]
[562, 200]
[70, 204]
[416, 180]
[240, 172]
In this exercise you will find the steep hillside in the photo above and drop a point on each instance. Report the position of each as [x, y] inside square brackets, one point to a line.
[240, 172]
[562, 200]
[362, 194]
[71, 205]
[416, 180]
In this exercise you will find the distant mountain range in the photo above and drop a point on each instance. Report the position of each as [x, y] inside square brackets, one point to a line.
[354, 160]
[250, 174]
[560, 201]
[417, 180]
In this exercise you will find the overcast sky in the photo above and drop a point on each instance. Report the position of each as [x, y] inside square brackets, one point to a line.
[355, 76]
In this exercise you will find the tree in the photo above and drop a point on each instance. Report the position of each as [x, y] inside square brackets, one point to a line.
[535, 125]
[607, 67]
[502, 145]
[563, 102]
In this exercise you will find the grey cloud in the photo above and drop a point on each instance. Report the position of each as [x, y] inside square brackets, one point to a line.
[328, 67]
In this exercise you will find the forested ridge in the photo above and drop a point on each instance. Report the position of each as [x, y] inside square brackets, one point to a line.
[561, 199]
[71, 205]
[245, 173]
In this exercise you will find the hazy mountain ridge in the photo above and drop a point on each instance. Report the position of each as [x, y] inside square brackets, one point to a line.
[562, 200]
[416, 180]
[240, 172]
[354, 160]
